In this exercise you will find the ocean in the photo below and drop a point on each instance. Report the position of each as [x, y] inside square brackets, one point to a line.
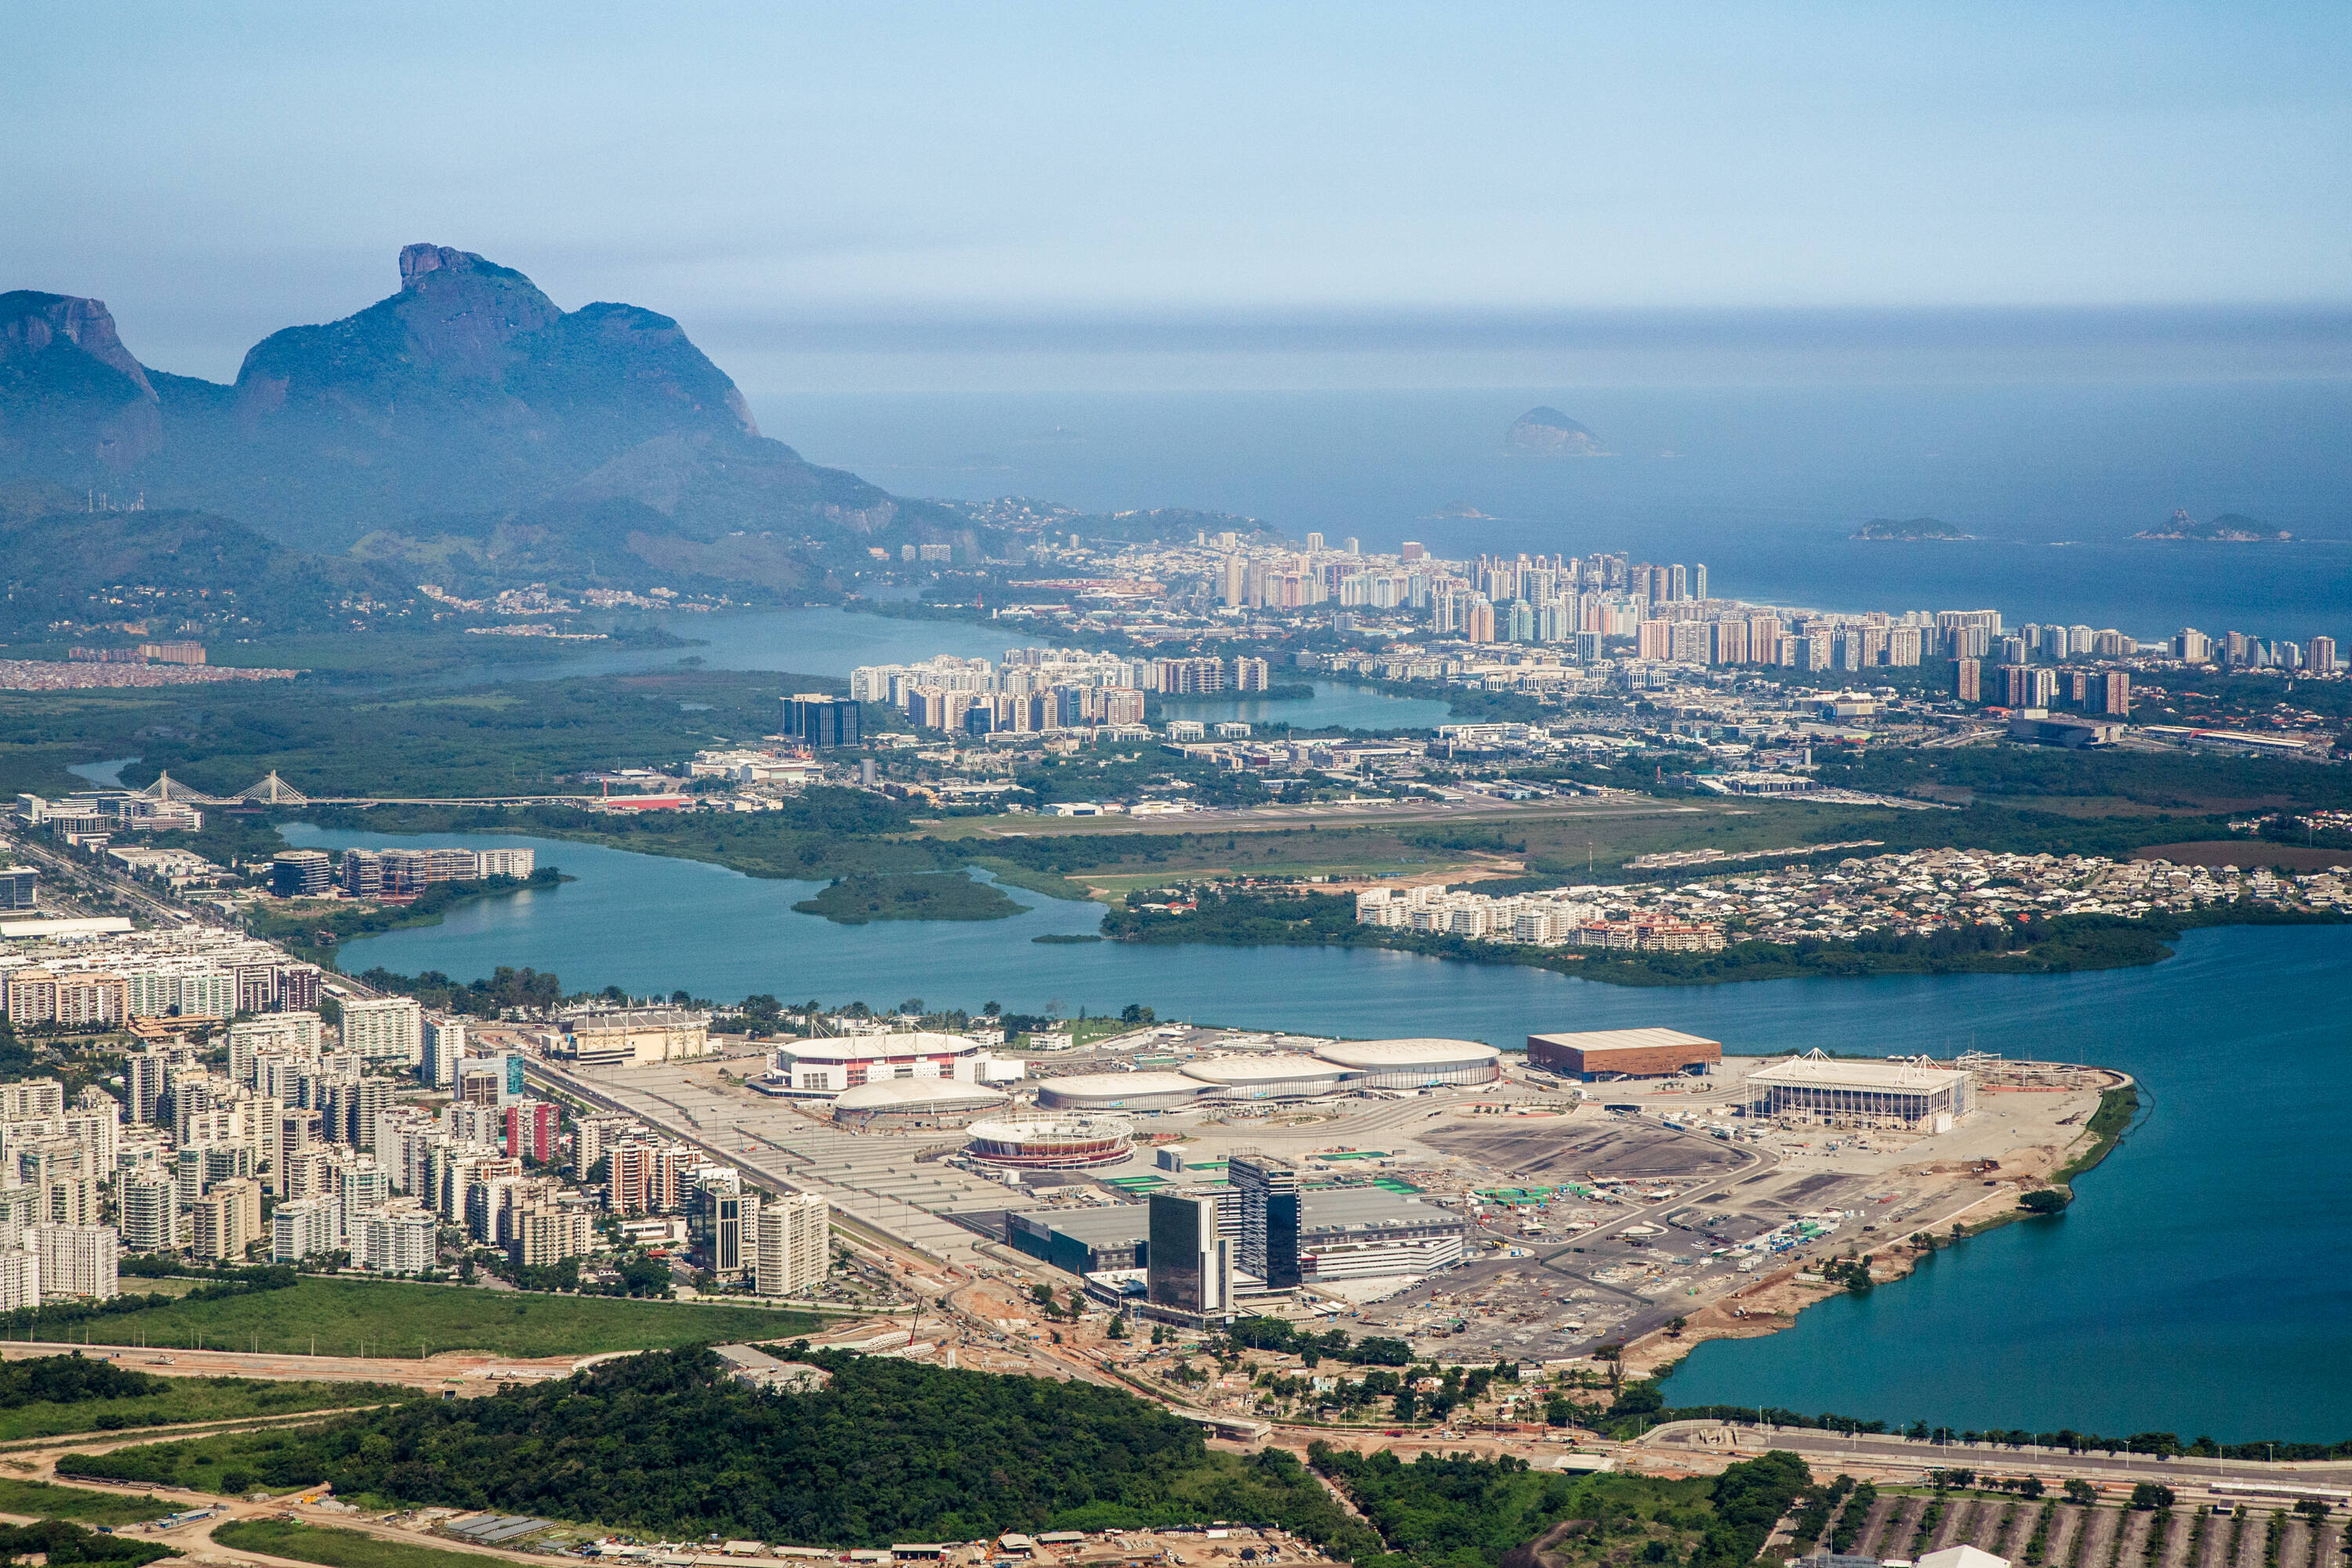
[1763, 484]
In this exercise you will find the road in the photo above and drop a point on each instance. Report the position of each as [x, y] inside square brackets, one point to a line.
[1831, 1448]
[25, 846]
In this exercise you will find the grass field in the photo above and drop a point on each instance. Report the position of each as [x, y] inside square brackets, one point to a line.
[190, 1399]
[39, 1499]
[336, 1547]
[370, 1317]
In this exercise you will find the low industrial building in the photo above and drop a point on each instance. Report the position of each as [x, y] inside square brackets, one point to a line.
[1083, 1241]
[1820, 1088]
[1605, 1055]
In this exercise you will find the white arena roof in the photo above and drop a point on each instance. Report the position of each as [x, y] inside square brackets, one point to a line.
[1415, 1053]
[916, 1094]
[1284, 1067]
[1820, 1071]
[877, 1047]
[1118, 1090]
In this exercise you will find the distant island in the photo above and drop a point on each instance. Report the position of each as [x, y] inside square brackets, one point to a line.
[1917, 527]
[1463, 510]
[2230, 527]
[1549, 433]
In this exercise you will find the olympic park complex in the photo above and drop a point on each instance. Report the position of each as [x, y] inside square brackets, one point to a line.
[1079, 1120]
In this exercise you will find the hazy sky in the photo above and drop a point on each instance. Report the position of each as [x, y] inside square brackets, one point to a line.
[877, 193]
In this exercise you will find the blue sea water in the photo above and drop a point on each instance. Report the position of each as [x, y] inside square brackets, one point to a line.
[2201, 1283]
[1763, 484]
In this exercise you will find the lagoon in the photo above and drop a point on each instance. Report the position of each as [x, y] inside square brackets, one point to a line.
[827, 641]
[2202, 1282]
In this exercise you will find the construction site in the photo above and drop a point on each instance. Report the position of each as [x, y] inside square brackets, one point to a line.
[1454, 1195]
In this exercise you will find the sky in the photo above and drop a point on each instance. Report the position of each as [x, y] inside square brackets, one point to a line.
[889, 195]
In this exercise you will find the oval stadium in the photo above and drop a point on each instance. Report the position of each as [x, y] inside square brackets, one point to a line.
[1051, 1143]
[915, 1102]
[1119, 1091]
[1414, 1064]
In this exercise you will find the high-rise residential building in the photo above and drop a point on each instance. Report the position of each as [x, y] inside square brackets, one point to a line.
[2116, 695]
[143, 1074]
[385, 1029]
[444, 1043]
[226, 1220]
[530, 1129]
[1698, 581]
[2040, 688]
[2192, 647]
[2319, 656]
[149, 1211]
[1677, 583]
[2015, 685]
[545, 1233]
[304, 1227]
[795, 1247]
[20, 1280]
[1410, 549]
[1233, 582]
[77, 1260]
[1314, 542]
[1189, 1268]
[1269, 1238]
[1968, 675]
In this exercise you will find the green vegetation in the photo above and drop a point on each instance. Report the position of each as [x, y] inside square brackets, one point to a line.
[41, 1500]
[2107, 1127]
[335, 1547]
[855, 900]
[53, 1394]
[328, 738]
[60, 1543]
[935, 1454]
[354, 1317]
[300, 930]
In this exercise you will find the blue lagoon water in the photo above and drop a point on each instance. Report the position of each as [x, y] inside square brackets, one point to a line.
[2201, 1283]
[832, 642]
[1762, 483]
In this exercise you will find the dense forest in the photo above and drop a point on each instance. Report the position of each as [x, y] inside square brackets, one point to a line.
[888, 1451]
[71, 1380]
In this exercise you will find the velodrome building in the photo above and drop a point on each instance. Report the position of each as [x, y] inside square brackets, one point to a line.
[1345, 1066]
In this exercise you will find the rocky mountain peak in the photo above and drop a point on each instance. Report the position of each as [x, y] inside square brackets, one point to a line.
[32, 323]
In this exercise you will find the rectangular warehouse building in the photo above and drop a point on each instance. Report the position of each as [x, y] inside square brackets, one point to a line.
[1601, 1056]
[1818, 1088]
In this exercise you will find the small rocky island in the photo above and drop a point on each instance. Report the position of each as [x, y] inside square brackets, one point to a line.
[1917, 528]
[1549, 433]
[2230, 527]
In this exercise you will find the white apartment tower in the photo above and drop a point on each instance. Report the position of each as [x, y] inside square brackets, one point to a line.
[795, 1249]
[77, 1260]
[391, 1028]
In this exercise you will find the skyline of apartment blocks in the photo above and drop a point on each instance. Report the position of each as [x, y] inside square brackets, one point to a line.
[795, 1251]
